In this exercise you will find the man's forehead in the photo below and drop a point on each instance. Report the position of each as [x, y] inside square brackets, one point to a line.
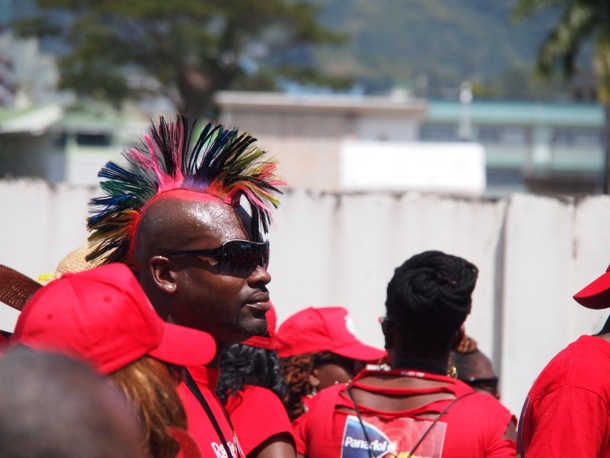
[196, 204]
[187, 196]
[195, 212]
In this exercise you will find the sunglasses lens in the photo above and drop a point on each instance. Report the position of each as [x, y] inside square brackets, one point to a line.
[242, 258]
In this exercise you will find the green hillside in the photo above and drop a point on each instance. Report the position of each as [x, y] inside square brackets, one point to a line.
[434, 45]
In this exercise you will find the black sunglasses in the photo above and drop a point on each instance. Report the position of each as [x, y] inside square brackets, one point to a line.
[235, 257]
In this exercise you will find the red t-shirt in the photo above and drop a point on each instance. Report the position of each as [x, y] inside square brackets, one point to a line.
[566, 412]
[257, 414]
[472, 427]
[199, 424]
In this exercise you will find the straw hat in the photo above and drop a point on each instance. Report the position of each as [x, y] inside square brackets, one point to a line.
[17, 288]
[74, 261]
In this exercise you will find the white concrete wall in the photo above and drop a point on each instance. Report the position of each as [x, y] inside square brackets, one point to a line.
[533, 253]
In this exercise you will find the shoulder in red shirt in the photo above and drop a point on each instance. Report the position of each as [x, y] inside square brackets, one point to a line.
[473, 426]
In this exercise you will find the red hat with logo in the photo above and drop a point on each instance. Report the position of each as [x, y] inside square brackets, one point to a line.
[104, 317]
[596, 295]
[268, 342]
[317, 329]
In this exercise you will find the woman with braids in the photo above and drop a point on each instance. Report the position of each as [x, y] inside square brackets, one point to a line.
[250, 383]
[414, 409]
[319, 348]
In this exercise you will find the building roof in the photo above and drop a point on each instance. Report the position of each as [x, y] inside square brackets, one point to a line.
[32, 120]
[399, 103]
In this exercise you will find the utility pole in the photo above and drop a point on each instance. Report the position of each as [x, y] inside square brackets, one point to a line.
[465, 127]
[606, 146]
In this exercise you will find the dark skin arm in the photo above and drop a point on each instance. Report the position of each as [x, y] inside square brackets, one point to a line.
[278, 446]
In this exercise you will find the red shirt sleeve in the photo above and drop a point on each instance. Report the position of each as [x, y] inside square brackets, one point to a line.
[300, 433]
[568, 420]
[254, 402]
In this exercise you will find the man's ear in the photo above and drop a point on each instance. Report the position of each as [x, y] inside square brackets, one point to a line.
[161, 274]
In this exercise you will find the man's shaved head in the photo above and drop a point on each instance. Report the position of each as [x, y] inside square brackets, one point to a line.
[188, 212]
[476, 369]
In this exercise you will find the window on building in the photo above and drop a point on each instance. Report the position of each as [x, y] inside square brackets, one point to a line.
[94, 140]
[438, 133]
[503, 135]
[563, 136]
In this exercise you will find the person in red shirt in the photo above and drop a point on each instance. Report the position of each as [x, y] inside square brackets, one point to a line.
[414, 409]
[250, 383]
[187, 214]
[567, 411]
[318, 347]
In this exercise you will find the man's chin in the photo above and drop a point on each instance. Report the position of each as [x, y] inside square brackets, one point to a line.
[253, 332]
[259, 331]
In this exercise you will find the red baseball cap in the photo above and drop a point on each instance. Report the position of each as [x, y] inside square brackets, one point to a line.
[103, 316]
[268, 342]
[317, 329]
[596, 295]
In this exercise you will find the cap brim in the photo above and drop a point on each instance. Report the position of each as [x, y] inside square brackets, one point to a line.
[596, 295]
[361, 352]
[185, 346]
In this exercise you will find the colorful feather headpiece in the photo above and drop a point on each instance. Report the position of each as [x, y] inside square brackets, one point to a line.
[221, 162]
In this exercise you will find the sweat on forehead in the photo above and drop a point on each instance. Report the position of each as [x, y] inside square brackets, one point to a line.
[174, 218]
[159, 214]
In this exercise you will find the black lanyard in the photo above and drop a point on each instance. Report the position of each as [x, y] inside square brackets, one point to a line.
[192, 386]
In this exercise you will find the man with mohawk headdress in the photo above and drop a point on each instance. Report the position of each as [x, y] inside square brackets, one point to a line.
[174, 216]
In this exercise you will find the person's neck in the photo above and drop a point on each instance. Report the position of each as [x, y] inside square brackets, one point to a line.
[604, 333]
[431, 366]
[605, 336]
[215, 363]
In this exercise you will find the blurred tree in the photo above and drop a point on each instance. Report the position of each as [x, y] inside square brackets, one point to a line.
[184, 50]
[580, 21]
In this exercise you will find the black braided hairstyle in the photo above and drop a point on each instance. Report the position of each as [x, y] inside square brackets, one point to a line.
[242, 364]
[430, 296]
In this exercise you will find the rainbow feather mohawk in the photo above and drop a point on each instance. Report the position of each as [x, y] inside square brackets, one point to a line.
[221, 162]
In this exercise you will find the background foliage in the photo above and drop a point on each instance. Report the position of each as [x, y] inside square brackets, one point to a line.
[186, 50]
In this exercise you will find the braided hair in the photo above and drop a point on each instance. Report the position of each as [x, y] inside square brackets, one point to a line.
[430, 295]
[296, 370]
[243, 364]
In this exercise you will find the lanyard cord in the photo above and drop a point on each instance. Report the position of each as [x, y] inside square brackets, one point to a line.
[423, 436]
[366, 435]
[192, 386]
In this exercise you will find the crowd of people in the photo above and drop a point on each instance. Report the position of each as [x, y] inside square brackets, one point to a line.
[162, 341]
